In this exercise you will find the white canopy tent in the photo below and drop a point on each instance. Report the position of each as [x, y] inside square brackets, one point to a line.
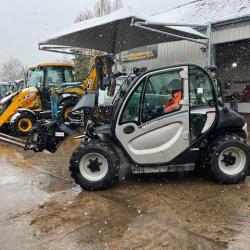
[119, 31]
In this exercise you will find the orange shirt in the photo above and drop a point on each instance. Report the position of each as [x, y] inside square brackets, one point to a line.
[174, 102]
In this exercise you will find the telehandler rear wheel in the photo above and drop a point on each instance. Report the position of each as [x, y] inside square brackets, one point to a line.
[23, 125]
[94, 166]
[228, 159]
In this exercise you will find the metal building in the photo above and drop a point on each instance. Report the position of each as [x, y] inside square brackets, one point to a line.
[230, 21]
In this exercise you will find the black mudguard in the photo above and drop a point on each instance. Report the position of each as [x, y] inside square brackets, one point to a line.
[230, 121]
[20, 111]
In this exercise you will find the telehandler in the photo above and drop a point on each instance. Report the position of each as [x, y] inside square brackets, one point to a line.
[148, 134]
[161, 120]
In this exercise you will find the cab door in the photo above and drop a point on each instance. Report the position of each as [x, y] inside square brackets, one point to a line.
[153, 124]
[54, 78]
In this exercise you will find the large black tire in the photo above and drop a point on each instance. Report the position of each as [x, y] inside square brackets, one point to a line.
[94, 166]
[65, 108]
[228, 159]
[23, 124]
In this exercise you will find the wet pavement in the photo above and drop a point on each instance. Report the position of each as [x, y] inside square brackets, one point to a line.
[41, 208]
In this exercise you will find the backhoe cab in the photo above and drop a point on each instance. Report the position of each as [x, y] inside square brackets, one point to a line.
[162, 120]
[20, 110]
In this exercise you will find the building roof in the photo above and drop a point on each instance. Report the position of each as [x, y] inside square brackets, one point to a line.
[205, 11]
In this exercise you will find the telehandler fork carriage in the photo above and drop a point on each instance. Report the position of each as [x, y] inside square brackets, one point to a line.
[14, 140]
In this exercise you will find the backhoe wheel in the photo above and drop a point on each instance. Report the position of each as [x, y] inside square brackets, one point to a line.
[94, 166]
[66, 108]
[228, 159]
[23, 124]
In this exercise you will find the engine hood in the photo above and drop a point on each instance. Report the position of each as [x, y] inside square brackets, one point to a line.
[86, 102]
[7, 98]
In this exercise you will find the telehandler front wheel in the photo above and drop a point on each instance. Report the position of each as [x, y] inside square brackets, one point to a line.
[228, 159]
[23, 124]
[94, 166]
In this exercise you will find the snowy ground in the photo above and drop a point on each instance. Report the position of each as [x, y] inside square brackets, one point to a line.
[41, 208]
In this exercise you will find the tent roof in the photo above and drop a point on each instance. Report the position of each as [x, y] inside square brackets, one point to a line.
[114, 33]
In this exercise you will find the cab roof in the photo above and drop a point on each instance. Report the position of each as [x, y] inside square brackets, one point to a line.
[57, 64]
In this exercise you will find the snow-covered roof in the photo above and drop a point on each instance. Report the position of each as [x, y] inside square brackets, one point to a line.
[114, 33]
[204, 11]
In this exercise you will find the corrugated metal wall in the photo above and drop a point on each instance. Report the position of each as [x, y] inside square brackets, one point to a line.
[173, 53]
[231, 32]
[189, 52]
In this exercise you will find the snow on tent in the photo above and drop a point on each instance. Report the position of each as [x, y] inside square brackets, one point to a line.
[119, 31]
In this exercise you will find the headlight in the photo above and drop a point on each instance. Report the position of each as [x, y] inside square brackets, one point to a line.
[245, 129]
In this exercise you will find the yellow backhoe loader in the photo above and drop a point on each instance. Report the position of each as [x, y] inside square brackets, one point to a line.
[20, 110]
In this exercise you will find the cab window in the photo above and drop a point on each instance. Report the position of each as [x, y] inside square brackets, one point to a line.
[35, 77]
[131, 112]
[162, 95]
[201, 97]
[156, 96]
[68, 75]
[200, 88]
[54, 76]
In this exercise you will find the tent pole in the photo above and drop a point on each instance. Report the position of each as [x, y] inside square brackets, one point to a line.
[168, 34]
[209, 35]
[191, 25]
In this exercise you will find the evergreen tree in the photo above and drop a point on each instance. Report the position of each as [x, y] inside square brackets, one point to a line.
[102, 7]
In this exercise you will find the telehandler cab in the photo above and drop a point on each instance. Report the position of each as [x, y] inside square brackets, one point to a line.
[148, 134]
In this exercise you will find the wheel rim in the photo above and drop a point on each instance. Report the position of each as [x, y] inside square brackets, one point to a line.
[67, 112]
[24, 125]
[93, 167]
[232, 161]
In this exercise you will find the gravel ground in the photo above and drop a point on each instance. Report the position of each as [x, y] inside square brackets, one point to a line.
[41, 208]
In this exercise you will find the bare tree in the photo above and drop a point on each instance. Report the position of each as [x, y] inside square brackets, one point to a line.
[12, 70]
[102, 7]
[117, 4]
[84, 15]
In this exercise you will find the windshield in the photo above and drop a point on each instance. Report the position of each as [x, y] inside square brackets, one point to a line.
[4, 88]
[34, 77]
[58, 75]
[123, 82]
[54, 75]
[68, 75]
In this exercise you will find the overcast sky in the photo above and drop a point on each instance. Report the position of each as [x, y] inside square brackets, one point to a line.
[23, 23]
